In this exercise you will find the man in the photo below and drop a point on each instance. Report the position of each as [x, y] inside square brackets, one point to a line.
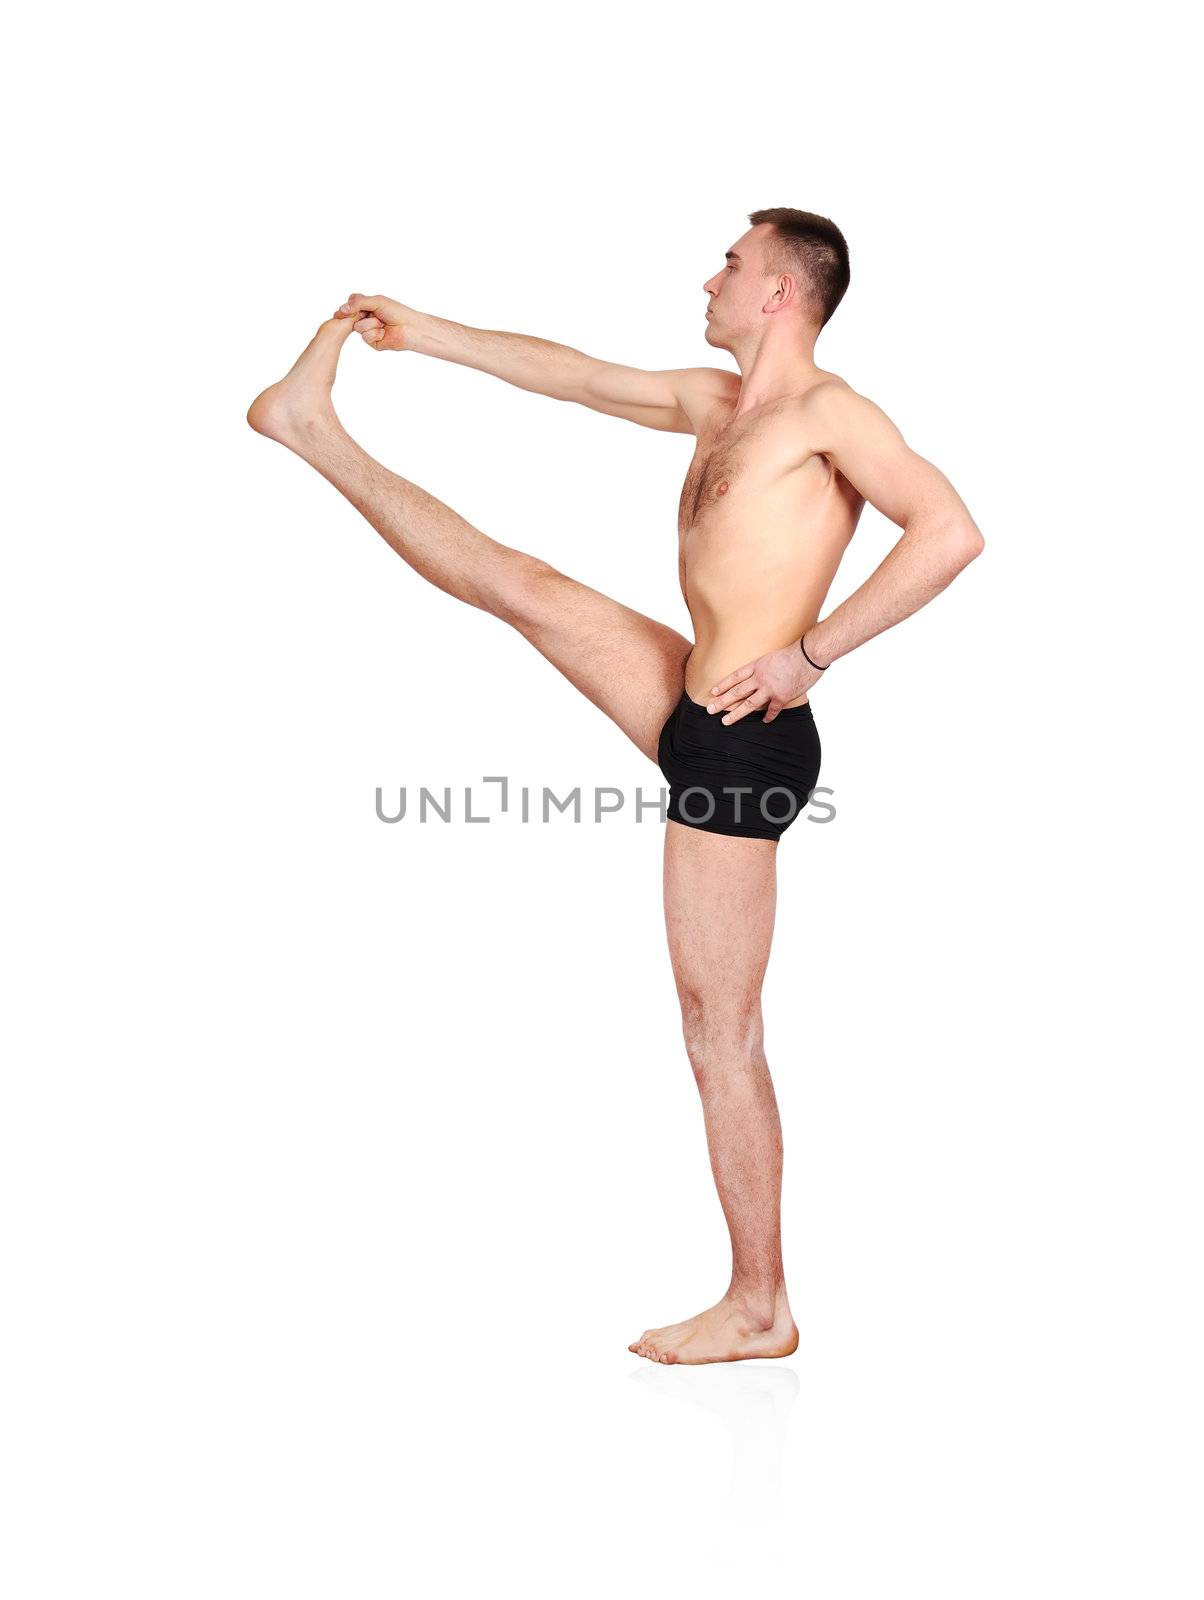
[786, 456]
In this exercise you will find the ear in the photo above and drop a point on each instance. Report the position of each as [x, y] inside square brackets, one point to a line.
[785, 293]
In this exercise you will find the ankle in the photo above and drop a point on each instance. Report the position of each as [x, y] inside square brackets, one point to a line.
[763, 1304]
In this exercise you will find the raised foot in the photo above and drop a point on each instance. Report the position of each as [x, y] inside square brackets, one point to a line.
[729, 1331]
[301, 401]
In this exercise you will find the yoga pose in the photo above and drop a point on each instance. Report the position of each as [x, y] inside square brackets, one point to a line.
[786, 456]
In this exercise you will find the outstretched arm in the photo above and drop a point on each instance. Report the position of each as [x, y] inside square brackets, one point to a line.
[939, 539]
[671, 400]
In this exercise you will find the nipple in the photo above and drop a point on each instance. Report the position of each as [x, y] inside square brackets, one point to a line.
[721, 489]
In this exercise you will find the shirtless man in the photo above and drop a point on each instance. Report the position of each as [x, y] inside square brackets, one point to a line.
[786, 456]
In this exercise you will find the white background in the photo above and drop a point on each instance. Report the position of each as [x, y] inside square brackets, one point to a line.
[341, 1161]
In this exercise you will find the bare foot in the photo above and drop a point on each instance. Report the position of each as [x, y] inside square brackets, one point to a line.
[300, 402]
[733, 1330]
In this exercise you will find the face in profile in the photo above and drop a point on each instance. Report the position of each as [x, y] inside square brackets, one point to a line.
[740, 290]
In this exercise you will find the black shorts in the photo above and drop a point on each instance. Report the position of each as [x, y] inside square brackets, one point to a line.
[750, 778]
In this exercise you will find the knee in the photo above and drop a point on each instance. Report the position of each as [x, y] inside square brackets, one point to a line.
[721, 1031]
[523, 588]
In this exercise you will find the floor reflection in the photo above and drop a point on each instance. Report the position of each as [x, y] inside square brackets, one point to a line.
[755, 1404]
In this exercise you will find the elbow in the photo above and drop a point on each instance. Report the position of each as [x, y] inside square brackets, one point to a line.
[964, 543]
[579, 383]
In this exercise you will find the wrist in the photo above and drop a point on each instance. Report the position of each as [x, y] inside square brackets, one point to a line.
[426, 335]
[813, 651]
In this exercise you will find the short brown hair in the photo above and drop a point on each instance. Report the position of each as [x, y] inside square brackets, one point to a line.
[815, 249]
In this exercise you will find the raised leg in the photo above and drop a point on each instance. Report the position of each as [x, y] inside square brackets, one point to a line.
[630, 666]
[720, 899]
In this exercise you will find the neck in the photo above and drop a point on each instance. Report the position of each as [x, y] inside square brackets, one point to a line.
[776, 364]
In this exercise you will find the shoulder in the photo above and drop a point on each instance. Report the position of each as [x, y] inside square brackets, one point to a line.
[832, 413]
[830, 398]
[700, 390]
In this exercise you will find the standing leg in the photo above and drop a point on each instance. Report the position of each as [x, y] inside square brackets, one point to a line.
[630, 666]
[720, 898]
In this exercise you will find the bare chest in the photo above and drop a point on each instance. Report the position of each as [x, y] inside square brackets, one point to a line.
[716, 466]
[730, 464]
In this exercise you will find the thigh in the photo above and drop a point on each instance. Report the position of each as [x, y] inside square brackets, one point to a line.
[720, 902]
[630, 666]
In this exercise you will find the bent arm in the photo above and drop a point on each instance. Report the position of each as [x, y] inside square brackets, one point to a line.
[940, 537]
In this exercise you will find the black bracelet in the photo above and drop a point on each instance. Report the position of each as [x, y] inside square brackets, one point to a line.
[807, 658]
